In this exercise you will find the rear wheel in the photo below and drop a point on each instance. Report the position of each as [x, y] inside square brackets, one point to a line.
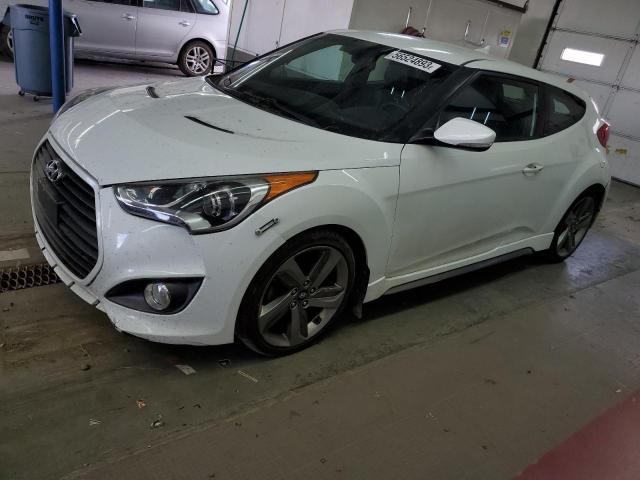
[572, 229]
[6, 42]
[297, 294]
[197, 58]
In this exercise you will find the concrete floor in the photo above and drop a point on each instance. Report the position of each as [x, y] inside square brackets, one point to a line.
[476, 377]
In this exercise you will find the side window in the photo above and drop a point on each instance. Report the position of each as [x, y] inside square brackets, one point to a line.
[564, 110]
[510, 107]
[162, 4]
[330, 63]
[115, 2]
[186, 6]
[207, 6]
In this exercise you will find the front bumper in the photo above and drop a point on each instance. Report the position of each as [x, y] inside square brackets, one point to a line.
[136, 248]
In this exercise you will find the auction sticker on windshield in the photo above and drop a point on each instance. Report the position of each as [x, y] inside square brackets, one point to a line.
[413, 61]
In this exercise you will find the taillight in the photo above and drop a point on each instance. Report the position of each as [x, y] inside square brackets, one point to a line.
[603, 134]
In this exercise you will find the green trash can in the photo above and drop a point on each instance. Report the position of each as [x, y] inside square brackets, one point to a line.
[30, 27]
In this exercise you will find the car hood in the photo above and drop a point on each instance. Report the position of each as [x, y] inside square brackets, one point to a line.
[142, 133]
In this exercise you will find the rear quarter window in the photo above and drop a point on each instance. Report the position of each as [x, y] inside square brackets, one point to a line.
[563, 110]
[507, 105]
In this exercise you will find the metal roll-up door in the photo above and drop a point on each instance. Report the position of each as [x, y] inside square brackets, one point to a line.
[596, 43]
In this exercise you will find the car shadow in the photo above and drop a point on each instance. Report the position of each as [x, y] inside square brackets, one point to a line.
[397, 302]
[125, 67]
[376, 310]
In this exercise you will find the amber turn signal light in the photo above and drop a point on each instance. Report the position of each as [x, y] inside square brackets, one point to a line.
[285, 182]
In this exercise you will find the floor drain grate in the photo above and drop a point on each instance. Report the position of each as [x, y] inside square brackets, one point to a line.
[27, 276]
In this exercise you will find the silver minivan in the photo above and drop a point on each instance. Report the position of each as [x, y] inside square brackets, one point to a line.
[188, 33]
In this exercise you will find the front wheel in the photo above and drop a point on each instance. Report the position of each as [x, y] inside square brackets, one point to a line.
[572, 229]
[197, 58]
[297, 294]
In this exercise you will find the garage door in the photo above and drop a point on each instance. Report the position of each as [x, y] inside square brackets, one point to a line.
[596, 42]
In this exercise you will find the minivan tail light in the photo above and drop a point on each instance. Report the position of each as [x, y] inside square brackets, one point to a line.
[603, 134]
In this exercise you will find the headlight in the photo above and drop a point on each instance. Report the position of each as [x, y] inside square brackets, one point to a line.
[81, 97]
[207, 205]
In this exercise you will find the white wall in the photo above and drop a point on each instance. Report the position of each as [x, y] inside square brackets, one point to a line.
[270, 23]
[265, 27]
[387, 15]
[531, 32]
[390, 15]
[306, 17]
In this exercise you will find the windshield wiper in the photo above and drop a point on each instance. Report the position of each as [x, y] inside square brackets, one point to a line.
[277, 105]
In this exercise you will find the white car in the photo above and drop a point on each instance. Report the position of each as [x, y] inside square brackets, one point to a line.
[260, 204]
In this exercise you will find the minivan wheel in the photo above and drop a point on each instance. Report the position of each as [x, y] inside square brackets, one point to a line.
[297, 294]
[6, 41]
[572, 229]
[197, 58]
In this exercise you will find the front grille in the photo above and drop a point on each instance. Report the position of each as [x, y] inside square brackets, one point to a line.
[66, 212]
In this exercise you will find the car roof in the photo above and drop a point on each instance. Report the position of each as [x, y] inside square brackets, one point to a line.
[457, 55]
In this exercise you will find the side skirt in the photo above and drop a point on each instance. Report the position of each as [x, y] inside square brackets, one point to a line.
[460, 271]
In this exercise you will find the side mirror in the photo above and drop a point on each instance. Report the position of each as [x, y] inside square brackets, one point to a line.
[464, 133]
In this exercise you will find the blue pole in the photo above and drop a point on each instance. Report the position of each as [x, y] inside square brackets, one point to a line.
[56, 42]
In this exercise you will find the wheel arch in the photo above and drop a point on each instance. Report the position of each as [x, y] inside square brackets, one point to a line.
[359, 249]
[4, 35]
[599, 191]
[589, 177]
[361, 274]
[359, 206]
[197, 39]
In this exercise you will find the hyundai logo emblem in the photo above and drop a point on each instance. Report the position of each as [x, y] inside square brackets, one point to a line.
[53, 170]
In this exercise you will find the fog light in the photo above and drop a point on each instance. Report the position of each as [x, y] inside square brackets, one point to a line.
[162, 296]
[157, 296]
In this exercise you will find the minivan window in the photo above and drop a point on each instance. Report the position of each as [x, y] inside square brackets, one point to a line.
[116, 2]
[206, 6]
[509, 107]
[327, 82]
[162, 4]
[564, 110]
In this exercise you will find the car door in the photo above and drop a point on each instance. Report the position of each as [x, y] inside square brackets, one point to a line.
[108, 26]
[162, 27]
[457, 205]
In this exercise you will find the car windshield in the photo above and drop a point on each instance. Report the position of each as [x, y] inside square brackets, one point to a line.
[338, 83]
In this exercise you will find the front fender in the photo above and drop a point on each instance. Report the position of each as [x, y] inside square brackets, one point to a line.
[363, 200]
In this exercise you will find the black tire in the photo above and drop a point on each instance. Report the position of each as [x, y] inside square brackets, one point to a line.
[561, 248]
[193, 57]
[273, 282]
[5, 50]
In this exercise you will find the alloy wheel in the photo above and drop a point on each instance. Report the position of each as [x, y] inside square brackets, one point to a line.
[198, 60]
[302, 296]
[10, 40]
[576, 225]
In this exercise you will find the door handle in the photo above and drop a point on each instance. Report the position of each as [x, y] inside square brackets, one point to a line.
[184, 23]
[128, 16]
[532, 169]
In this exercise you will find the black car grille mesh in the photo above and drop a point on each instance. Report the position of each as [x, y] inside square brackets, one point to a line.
[66, 213]
[26, 276]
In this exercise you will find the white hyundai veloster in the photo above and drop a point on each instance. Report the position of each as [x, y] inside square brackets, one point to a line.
[262, 203]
